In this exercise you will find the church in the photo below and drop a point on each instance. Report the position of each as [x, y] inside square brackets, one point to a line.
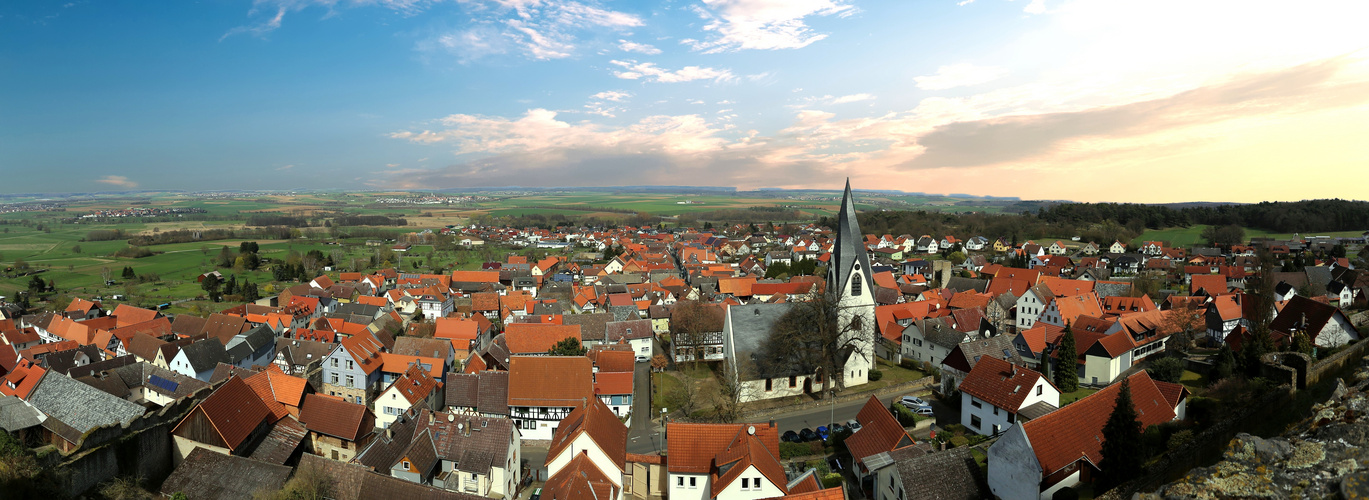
[747, 328]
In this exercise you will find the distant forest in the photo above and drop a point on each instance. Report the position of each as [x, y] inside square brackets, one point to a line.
[1280, 217]
[1105, 222]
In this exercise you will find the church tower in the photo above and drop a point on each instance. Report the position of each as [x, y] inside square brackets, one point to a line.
[850, 282]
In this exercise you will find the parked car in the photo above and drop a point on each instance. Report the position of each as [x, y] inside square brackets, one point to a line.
[823, 433]
[923, 410]
[537, 494]
[790, 437]
[807, 435]
[642, 359]
[853, 425]
[913, 402]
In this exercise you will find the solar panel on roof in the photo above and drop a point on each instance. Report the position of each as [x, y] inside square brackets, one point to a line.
[161, 383]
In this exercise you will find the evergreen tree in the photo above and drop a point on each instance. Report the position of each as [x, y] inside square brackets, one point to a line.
[249, 292]
[231, 286]
[128, 273]
[1123, 445]
[211, 285]
[1225, 364]
[1067, 372]
[1301, 343]
[569, 346]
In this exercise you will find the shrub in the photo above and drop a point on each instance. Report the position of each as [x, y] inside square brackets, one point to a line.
[1179, 439]
[791, 450]
[904, 416]
[958, 441]
[831, 480]
[910, 364]
[875, 375]
[133, 252]
[1167, 369]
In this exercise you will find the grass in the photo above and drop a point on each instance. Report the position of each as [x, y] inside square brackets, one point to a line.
[1070, 397]
[1194, 381]
[664, 383]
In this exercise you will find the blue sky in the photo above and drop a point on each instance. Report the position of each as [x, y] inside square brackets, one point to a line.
[1028, 98]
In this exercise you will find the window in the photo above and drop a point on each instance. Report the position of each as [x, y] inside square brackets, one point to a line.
[406, 464]
[334, 362]
[679, 481]
[768, 385]
[350, 365]
[855, 285]
[334, 377]
[793, 381]
[756, 482]
[746, 483]
[691, 482]
[351, 381]
[975, 402]
[974, 421]
[1039, 388]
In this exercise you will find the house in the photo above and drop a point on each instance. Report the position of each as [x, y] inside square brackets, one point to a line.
[352, 369]
[724, 462]
[485, 393]
[915, 473]
[636, 332]
[885, 435]
[976, 243]
[436, 306]
[588, 450]
[415, 386]
[1327, 326]
[256, 348]
[1057, 248]
[477, 456]
[995, 392]
[543, 390]
[1031, 304]
[1117, 247]
[199, 359]
[1222, 315]
[232, 420]
[966, 355]
[337, 429]
[1063, 448]
[930, 340]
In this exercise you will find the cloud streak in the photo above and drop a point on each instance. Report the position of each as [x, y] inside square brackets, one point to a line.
[959, 75]
[735, 25]
[117, 180]
[633, 70]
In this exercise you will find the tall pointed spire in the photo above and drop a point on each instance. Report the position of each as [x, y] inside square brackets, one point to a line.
[849, 249]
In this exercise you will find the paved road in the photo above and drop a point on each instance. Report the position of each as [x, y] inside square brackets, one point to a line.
[643, 436]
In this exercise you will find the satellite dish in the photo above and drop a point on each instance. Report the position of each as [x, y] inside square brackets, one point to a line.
[751, 429]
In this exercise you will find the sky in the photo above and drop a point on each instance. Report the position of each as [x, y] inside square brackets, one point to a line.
[1092, 100]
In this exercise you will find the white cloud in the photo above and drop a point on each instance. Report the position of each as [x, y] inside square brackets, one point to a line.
[959, 75]
[1035, 7]
[391, 165]
[117, 180]
[853, 98]
[638, 70]
[611, 95]
[644, 48]
[539, 129]
[763, 24]
[285, 167]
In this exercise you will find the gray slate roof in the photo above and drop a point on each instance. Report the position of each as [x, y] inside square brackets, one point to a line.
[79, 405]
[943, 475]
[960, 284]
[16, 415]
[214, 476]
[849, 248]
[592, 326]
[205, 354]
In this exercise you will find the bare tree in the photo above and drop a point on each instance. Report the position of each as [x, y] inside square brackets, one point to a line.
[691, 323]
[815, 336]
[1185, 319]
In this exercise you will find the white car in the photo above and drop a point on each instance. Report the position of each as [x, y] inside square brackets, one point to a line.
[913, 402]
[642, 358]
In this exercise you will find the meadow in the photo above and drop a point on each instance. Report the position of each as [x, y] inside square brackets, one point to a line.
[1192, 235]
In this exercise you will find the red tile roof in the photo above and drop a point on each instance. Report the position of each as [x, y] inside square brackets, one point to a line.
[1075, 431]
[416, 384]
[602, 426]
[613, 383]
[1000, 383]
[537, 338]
[340, 419]
[551, 381]
[129, 315]
[879, 432]
[1213, 283]
[365, 350]
[234, 410]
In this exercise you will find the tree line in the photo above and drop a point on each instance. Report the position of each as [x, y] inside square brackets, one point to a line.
[1279, 216]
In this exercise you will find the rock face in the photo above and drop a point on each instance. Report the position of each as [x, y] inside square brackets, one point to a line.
[1324, 457]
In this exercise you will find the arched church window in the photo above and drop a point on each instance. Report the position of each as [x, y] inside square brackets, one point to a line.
[855, 285]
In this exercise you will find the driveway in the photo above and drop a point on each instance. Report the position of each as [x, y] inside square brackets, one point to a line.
[643, 436]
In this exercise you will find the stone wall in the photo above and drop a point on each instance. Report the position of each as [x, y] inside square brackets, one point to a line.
[141, 448]
[1336, 362]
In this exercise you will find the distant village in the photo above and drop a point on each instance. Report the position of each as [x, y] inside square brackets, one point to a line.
[534, 378]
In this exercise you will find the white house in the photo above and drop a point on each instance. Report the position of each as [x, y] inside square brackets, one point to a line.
[724, 462]
[995, 392]
[544, 390]
[589, 445]
[1031, 304]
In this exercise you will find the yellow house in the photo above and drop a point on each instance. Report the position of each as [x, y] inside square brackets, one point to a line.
[1001, 246]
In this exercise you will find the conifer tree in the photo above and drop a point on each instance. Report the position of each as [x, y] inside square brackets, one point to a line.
[1123, 446]
[1067, 371]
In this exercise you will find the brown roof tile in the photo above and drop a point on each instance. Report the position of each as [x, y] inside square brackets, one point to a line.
[553, 381]
[340, 419]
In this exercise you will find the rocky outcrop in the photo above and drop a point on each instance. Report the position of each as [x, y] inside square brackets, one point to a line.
[1322, 457]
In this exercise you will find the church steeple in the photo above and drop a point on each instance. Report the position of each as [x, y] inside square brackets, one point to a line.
[849, 250]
